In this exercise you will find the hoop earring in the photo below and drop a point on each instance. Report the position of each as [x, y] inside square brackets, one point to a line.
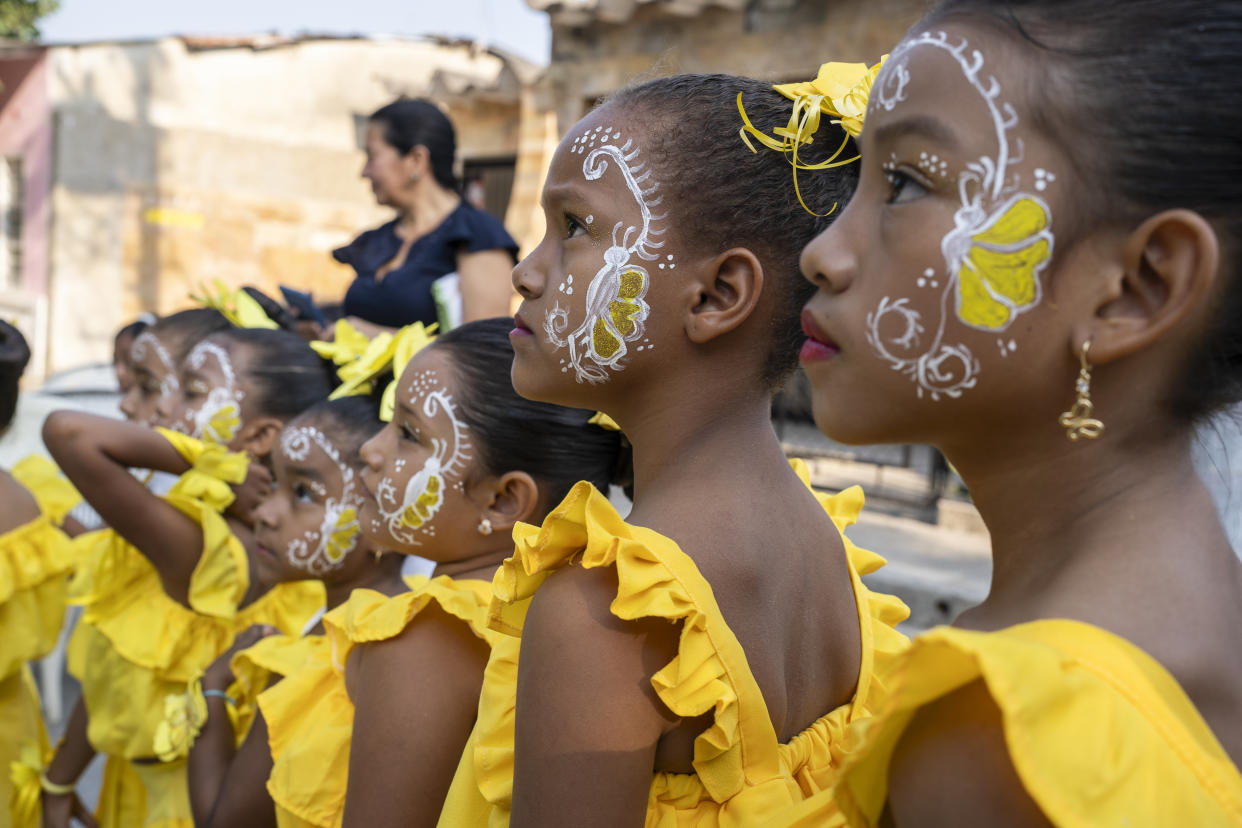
[1078, 421]
[485, 527]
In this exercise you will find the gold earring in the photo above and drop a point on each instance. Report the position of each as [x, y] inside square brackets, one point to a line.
[1078, 421]
[485, 527]
[378, 553]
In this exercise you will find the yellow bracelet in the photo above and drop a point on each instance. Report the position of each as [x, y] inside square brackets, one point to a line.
[53, 788]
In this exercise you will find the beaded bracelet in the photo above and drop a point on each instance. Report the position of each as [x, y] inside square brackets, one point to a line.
[220, 694]
[52, 787]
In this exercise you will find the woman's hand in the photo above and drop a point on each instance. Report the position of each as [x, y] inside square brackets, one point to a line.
[368, 329]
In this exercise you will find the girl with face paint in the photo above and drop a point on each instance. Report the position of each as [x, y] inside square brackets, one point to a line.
[462, 460]
[307, 527]
[1063, 281]
[171, 582]
[154, 357]
[658, 681]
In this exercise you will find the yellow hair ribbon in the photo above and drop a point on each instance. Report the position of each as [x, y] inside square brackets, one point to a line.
[604, 421]
[348, 344]
[841, 91]
[238, 307]
[387, 351]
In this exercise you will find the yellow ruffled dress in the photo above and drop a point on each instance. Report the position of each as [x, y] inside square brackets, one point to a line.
[742, 773]
[309, 715]
[134, 645]
[1099, 733]
[36, 560]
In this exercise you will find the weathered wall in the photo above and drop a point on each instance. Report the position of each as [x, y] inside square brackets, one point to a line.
[176, 165]
[781, 41]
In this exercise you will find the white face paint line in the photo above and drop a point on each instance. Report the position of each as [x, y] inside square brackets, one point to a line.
[615, 306]
[218, 419]
[138, 352]
[338, 532]
[989, 192]
[411, 512]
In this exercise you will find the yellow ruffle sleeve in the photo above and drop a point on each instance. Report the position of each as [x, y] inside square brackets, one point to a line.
[1098, 731]
[134, 645]
[310, 716]
[741, 773]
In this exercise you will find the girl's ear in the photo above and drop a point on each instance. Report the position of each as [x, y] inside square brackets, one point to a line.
[1166, 273]
[511, 498]
[258, 436]
[726, 296]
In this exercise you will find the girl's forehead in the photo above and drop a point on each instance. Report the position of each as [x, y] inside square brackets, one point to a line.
[427, 370]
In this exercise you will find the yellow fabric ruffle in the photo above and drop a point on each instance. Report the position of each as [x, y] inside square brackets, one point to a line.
[134, 645]
[255, 667]
[24, 750]
[36, 559]
[41, 477]
[1098, 731]
[742, 772]
[309, 715]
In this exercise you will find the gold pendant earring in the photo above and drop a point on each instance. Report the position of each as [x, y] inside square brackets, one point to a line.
[1078, 421]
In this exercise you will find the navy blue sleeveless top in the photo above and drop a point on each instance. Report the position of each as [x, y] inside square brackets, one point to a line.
[403, 295]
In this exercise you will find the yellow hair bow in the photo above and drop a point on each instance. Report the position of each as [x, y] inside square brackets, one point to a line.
[841, 91]
[238, 307]
[348, 344]
[604, 421]
[384, 352]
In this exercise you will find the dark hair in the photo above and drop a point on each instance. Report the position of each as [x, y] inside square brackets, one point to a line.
[286, 375]
[14, 356]
[181, 331]
[349, 421]
[553, 444]
[415, 122]
[274, 310]
[727, 196]
[1141, 95]
[132, 330]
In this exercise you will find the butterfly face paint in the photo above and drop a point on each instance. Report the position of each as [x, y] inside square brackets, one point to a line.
[993, 255]
[615, 308]
[324, 548]
[217, 418]
[409, 505]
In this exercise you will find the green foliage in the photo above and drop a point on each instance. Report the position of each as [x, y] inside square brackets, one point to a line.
[18, 17]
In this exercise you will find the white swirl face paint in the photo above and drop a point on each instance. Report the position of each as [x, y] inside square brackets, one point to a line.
[218, 419]
[1000, 242]
[409, 511]
[322, 550]
[616, 307]
[148, 343]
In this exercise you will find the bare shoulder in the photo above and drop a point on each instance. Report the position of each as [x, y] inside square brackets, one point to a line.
[432, 637]
[20, 506]
[952, 768]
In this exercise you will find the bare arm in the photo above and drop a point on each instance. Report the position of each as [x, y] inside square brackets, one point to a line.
[952, 768]
[486, 284]
[415, 699]
[95, 453]
[214, 765]
[588, 720]
[73, 754]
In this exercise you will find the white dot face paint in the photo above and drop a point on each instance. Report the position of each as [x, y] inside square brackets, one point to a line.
[1000, 242]
[217, 418]
[325, 548]
[616, 310]
[408, 509]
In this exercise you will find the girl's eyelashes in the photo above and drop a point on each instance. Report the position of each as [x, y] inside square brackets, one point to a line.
[902, 186]
[573, 227]
[412, 434]
[302, 492]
